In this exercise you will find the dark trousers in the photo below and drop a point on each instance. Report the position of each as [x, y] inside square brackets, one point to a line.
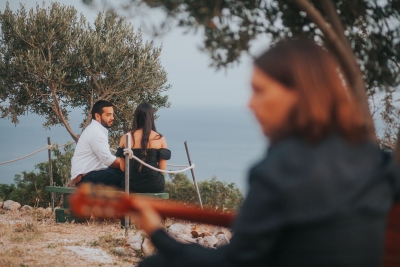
[109, 176]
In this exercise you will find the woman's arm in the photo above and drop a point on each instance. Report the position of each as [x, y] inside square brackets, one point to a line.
[122, 145]
[256, 229]
[162, 163]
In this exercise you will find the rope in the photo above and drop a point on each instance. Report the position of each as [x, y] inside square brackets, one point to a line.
[37, 151]
[174, 165]
[170, 165]
[33, 153]
[129, 152]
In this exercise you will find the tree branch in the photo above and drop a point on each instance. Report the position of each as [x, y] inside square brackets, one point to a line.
[57, 109]
[345, 57]
[89, 117]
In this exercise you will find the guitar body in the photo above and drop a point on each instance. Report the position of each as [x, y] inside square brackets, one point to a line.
[391, 257]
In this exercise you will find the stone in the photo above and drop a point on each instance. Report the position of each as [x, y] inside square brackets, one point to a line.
[48, 210]
[200, 241]
[185, 239]
[11, 205]
[222, 230]
[177, 229]
[202, 228]
[210, 241]
[135, 241]
[222, 240]
[196, 234]
[147, 248]
[40, 209]
[26, 208]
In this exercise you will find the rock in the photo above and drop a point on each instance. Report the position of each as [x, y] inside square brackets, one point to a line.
[147, 248]
[11, 205]
[26, 208]
[1, 204]
[222, 230]
[185, 239]
[200, 241]
[196, 234]
[40, 209]
[135, 241]
[178, 229]
[203, 228]
[210, 241]
[48, 210]
[222, 240]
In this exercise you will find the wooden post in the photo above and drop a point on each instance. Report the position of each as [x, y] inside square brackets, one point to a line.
[193, 176]
[128, 145]
[50, 173]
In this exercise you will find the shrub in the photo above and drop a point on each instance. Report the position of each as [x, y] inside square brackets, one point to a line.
[214, 193]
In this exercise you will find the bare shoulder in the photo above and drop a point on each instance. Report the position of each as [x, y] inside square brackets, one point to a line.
[122, 141]
[163, 142]
[155, 135]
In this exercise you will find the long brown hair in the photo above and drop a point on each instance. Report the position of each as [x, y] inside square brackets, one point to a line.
[143, 118]
[325, 103]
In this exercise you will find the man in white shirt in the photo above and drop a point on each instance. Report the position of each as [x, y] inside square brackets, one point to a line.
[92, 160]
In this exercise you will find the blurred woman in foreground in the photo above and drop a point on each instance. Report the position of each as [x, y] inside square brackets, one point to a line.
[320, 196]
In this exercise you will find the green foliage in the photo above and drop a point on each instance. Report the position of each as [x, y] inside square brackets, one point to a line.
[29, 188]
[213, 193]
[52, 60]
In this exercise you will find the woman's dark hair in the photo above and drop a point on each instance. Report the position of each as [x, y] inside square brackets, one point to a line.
[143, 118]
[98, 107]
[325, 103]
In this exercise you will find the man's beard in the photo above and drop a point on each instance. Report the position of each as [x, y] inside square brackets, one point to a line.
[105, 124]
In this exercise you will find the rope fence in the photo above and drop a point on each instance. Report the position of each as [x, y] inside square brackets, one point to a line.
[33, 153]
[129, 152]
[126, 152]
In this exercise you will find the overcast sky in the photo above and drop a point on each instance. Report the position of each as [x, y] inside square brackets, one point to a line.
[193, 82]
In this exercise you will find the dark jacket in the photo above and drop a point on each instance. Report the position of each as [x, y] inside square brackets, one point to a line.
[308, 205]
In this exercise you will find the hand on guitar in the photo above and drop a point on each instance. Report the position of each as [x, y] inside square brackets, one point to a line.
[146, 218]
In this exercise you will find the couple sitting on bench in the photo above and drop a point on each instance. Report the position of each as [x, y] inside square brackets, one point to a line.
[93, 161]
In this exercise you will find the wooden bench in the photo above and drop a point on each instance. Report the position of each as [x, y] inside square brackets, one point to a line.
[63, 214]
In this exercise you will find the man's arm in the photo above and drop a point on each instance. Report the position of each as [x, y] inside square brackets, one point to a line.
[115, 164]
[100, 146]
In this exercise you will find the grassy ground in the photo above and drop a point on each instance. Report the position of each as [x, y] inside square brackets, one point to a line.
[33, 238]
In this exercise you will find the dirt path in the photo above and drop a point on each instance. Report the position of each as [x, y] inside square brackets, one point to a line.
[33, 238]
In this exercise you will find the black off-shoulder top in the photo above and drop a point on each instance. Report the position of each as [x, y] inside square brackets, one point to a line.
[141, 178]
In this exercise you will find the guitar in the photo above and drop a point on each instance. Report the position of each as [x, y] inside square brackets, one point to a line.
[107, 202]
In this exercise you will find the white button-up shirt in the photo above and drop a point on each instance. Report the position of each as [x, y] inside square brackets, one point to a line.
[92, 152]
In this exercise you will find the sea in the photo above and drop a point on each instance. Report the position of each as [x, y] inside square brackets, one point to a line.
[223, 141]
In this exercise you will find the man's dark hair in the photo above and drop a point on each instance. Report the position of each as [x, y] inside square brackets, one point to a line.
[98, 107]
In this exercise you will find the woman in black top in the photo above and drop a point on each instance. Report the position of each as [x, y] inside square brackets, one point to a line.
[321, 194]
[149, 146]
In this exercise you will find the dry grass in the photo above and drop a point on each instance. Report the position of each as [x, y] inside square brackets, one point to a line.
[33, 238]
